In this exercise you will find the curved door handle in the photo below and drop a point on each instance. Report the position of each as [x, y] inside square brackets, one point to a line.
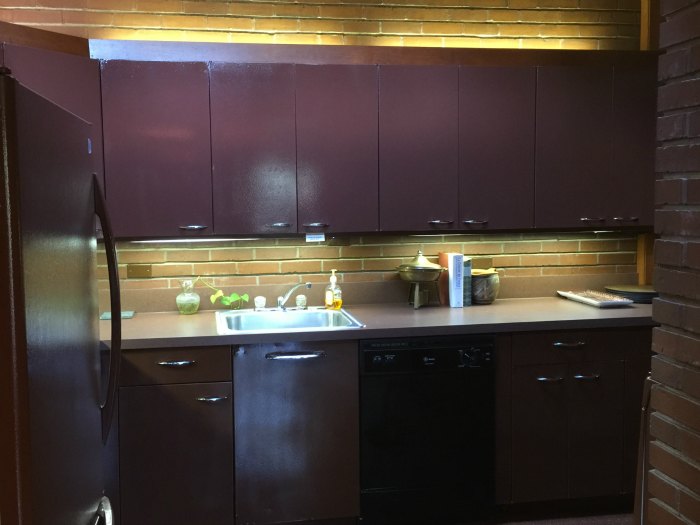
[212, 400]
[626, 219]
[295, 355]
[591, 377]
[193, 227]
[550, 379]
[315, 225]
[107, 404]
[440, 222]
[280, 225]
[475, 222]
[592, 219]
[574, 344]
[177, 364]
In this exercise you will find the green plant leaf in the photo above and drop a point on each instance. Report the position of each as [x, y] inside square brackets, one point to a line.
[215, 296]
[245, 297]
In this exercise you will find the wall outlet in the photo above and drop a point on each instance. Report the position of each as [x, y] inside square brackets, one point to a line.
[139, 271]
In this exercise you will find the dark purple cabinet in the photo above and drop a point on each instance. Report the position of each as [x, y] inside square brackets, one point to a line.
[418, 153]
[71, 81]
[296, 410]
[634, 144]
[336, 119]
[157, 148]
[253, 148]
[573, 146]
[496, 147]
[176, 436]
[575, 415]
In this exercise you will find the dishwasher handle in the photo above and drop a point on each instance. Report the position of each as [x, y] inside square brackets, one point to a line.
[292, 356]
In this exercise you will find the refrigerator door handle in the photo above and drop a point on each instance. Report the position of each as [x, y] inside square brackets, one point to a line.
[107, 404]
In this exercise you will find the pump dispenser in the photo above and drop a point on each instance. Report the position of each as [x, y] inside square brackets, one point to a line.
[334, 295]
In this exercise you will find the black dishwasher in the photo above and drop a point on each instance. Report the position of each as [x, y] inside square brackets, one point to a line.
[426, 430]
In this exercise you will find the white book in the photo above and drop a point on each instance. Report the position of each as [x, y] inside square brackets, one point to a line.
[455, 271]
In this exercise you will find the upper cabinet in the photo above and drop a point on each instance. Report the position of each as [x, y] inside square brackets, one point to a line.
[418, 153]
[336, 134]
[253, 148]
[157, 148]
[595, 146]
[634, 144]
[573, 146]
[496, 147]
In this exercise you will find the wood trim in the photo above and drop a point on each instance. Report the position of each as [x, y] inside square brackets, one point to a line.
[649, 25]
[645, 258]
[317, 54]
[28, 36]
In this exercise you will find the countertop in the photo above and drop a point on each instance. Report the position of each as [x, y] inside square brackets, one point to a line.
[169, 329]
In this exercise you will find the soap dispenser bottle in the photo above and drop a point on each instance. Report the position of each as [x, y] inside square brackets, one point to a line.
[334, 295]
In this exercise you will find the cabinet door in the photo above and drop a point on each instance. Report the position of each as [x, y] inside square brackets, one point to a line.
[157, 147]
[176, 454]
[573, 146]
[253, 148]
[634, 144]
[296, 432]
[539, 429]
[596, 394]
[496, 147]
[418, 152]
[337, 148]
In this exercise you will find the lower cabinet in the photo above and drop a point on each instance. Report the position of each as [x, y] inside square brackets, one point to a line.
[296, 432]
[574, 415]
[176, 439]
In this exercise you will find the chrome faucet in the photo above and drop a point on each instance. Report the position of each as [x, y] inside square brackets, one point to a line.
[283, 299]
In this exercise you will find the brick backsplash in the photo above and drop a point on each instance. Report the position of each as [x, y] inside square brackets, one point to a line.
[529, 265]
[543, 24]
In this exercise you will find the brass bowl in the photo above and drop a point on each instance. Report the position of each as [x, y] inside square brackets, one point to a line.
[420, 270]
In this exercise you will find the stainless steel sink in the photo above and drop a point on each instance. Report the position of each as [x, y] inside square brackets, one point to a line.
[274, 320]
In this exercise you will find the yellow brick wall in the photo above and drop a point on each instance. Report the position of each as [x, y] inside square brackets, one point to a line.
[529, 265]
[557, 24]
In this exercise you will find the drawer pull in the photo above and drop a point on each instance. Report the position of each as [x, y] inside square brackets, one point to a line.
[440, 222]
[550, 379]
[177, 364]
[280, 225]
[212, 399]
[315, 225]
[626, 219]
[592, 377]
[575, 344]
[592, 219]
[475, 222]
[193, 227]
[295, 355]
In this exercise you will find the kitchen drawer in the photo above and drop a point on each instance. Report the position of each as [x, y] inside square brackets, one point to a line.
[570, 346]
[176, 365]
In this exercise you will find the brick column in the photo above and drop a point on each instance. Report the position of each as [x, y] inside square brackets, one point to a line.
[674, 452]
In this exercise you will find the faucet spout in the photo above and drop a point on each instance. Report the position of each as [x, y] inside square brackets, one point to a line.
[281, 300]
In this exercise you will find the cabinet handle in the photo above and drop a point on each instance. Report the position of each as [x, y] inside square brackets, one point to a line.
[177, 364]
[592, 377]
[575, 344]
[475, 222]
[592, 219]
[315, 225]
[550, 379]
[626, 219]
[440, 222]
[212, 399]
[295, 355]
[193, 227]
[280, 225]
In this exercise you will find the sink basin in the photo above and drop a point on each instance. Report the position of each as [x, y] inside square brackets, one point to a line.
[265, 321]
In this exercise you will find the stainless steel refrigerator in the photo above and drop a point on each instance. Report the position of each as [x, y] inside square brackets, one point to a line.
[57, 382]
